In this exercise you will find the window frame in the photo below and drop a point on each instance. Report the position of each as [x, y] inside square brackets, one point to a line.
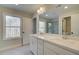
[4, 26]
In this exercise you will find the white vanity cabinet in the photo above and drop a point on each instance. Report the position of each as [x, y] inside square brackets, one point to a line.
[36, 46]
[33, 45]
[40, 47]
[49, 49]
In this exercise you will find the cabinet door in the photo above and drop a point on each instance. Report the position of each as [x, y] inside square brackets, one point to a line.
[33, 45]
[40, 47]
[58, 50]
[47, 51]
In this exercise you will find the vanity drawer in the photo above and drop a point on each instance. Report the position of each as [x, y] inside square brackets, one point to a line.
[33, 45]
[47, 51]
[57, 49]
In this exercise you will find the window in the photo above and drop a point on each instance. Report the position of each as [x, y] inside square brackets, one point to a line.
[12, 27]
[42, 27]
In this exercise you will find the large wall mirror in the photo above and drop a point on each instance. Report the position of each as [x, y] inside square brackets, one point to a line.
[70, 25]
[48, 24]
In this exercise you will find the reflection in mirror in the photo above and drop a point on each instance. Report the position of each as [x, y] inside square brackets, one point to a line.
[52, 27]
[47, 24]
[42, 27]
[66, 26]
[60, 20]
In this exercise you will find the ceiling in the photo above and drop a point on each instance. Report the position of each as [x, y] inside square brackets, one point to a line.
[27, 8]
[52, 10]
[55, 11]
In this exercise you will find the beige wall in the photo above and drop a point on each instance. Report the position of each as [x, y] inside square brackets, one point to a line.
[74, 22]
[5, 44]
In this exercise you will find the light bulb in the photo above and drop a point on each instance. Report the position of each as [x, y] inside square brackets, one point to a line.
[65, 7]
[41, 10]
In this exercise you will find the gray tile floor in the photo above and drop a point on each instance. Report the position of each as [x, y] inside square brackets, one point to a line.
[24, 50]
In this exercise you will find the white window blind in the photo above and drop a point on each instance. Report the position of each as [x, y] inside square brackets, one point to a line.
[12, 27]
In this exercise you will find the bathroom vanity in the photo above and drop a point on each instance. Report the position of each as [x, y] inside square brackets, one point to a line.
[53, 44]
[61, 35]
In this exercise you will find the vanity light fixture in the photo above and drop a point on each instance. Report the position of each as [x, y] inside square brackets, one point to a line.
[65, 7]
[41, 10]
[38, 11]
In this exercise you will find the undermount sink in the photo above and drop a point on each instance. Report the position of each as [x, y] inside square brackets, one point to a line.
[70, 37]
